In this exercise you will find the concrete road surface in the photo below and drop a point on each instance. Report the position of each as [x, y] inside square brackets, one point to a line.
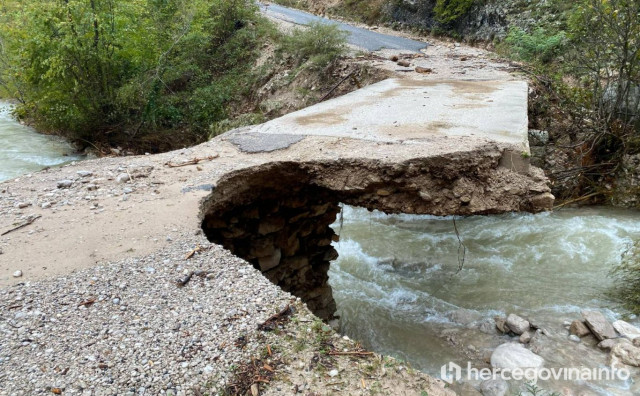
[371, 41]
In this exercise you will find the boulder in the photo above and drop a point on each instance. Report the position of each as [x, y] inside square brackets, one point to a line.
[494, 387]
[608, 344]
[123, 178]
[517, 324]
[65, 183]
[626, 329]
[501, 324]
[424, 70]
[579, 328]
[487, 327]
[84, 173]
[514, 355]
[271, 224]
[627, 353]
[526, 337]
[599, 325]
[538, 342]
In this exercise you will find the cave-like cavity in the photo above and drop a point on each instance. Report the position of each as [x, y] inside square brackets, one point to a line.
[277, 216]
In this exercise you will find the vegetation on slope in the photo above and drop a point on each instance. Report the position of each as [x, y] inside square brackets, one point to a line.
[147, 74]
[586, 73]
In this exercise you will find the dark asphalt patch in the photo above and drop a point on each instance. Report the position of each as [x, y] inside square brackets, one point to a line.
[252, 142]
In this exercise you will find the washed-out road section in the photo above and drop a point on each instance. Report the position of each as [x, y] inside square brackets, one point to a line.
[104, 241]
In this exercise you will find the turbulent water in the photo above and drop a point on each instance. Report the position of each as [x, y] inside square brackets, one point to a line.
[23, 150]
[400, 289]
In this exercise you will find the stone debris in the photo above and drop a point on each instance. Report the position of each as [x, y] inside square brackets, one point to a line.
[65, 183]
[626, 353]
[514, 355]
[599, 325]
[517, 324]
[494, 387]
[579, 328]
[626, 329]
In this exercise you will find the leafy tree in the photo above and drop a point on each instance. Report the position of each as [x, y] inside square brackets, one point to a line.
[154, 72]
[606, 59]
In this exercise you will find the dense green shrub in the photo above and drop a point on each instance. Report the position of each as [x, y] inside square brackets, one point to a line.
[448, 11]
[115, 71]
[536, 46]
[319, 44]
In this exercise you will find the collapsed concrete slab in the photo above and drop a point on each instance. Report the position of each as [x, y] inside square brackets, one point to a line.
[399, 146]
[267, 194]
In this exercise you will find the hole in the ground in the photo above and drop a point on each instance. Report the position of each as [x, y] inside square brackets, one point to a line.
[278, 216]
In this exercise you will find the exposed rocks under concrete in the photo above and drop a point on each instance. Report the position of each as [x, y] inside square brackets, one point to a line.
[277, 216]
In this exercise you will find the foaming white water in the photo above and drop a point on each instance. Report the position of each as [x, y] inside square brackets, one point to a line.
[23, 150]
[400, 274]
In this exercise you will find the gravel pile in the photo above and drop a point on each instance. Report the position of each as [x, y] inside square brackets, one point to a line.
[127, 328]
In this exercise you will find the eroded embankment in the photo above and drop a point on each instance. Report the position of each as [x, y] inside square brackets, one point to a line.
[277, 216]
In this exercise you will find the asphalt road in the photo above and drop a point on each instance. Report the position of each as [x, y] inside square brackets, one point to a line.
[371, 41]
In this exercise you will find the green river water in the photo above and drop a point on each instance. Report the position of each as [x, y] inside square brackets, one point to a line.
[399, 292]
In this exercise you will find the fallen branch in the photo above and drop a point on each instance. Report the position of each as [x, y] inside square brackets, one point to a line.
[87, 303]
[579, 199]
[269, 324]
[196, 250]
[461, 246]
[335, 87]
[193, 161]
[182, 282]
[26, 223]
